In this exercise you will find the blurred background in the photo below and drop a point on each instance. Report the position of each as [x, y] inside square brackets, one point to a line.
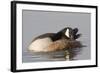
[35, 23]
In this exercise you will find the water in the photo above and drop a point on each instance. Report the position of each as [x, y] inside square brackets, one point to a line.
[50, 56]
[41, 56]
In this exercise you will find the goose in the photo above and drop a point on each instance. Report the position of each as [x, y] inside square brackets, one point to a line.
[48, 42]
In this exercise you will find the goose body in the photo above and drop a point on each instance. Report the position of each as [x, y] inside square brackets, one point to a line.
[40, 44]
[54, 41]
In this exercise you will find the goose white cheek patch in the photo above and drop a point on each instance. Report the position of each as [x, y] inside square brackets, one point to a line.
[67, 33]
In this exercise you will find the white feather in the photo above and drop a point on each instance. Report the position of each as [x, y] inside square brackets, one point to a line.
[40, 44]
[67, 33]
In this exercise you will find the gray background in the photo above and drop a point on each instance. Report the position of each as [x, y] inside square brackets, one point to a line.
[39, 22]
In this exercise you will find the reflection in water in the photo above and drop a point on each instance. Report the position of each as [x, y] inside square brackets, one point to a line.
[64, 55]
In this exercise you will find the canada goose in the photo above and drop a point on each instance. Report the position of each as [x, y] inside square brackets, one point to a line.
[66, 38]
